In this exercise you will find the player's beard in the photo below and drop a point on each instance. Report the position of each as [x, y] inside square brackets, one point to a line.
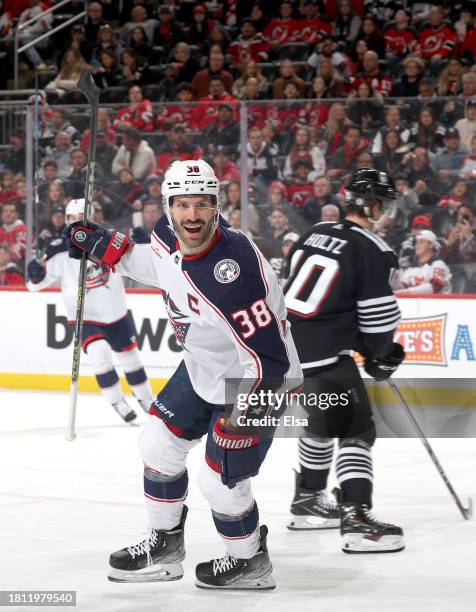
[194, 242]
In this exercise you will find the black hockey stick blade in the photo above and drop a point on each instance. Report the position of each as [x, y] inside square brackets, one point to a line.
[87, 85]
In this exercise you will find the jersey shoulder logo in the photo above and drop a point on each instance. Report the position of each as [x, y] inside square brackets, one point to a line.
[226, 271]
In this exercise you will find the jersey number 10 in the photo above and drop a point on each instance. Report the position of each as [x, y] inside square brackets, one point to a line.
[307, 292]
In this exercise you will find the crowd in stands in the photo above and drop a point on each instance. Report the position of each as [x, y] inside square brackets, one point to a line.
[328, 86]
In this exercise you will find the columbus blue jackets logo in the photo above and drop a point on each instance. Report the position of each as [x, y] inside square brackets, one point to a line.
[97, 275]
[226, 271]
[176, 319]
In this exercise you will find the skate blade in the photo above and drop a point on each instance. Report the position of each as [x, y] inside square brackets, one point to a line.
[264, 583]
[158, 573]
[359, 544]
[311, 523]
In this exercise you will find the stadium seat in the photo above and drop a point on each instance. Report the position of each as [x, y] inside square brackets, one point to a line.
[157, 55]
[296, 51]
[113, 95]
[268, 69]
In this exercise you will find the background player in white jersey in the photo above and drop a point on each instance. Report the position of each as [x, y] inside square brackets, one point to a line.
[108, 335]
[430, 275]
[228, 312]
[338, 298]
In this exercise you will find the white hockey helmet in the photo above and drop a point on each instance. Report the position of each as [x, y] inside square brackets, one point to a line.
[75, 207]
[189, 177]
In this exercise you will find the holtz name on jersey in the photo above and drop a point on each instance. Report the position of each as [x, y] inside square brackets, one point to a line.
[338, 292]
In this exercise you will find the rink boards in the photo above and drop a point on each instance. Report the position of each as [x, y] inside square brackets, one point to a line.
[438, 334]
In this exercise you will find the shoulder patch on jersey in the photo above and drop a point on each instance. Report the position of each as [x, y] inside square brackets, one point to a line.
[226, 271]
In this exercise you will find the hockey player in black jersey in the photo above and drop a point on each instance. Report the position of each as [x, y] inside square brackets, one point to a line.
[339, 299]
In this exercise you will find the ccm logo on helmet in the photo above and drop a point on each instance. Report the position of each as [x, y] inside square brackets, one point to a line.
[194, 182]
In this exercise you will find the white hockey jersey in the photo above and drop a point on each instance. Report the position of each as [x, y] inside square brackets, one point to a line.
[105, 298]
[434, 276]
[226, 308]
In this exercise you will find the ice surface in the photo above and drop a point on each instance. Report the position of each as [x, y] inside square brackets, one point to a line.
[65, 506]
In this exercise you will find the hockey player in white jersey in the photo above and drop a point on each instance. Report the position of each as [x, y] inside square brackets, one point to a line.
[108, 335]
[228, 312]
[431, 275]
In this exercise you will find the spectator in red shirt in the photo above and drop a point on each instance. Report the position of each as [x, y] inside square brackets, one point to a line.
[437, 38]
[13, 232]
[9, 272]
[216, 67]
[317, 110]
[372, 75]
[206, 112]
[139, 114]
[104, 123]
[281, 29]
[225, 131]
[344, 159]
[180, 113]
[298, 187]
[224, 168]
[311, 29]
[8, 192]
[290, 113]
[248, 45]
[177, 146]
[400, 38]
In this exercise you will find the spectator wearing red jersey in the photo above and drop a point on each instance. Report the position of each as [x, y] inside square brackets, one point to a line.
[281, 30]
[317, 110]
[468, 46]
[216, 67]
[9, 272]
[13, 232]
[257, 113]
[337, 122]
[250, 69]
[177, 146]
[437, 38]
[287, 74]
[400, 38]
[304, 149]
[248, 45]
[8, 192]
[312, 28]
[179, 113]
[372, 75]
[104, 123]
[224, 168]
[206, 112]
[298, 186]
[343, 161]
[290, 113]
[139, 114]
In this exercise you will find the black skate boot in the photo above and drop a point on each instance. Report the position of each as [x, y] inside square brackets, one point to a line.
[125, 412]
[232, 573]
[363, 533]
[155, 559]
[311, 509]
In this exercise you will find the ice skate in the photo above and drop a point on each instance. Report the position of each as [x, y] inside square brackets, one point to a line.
[155, 559]
[311, 509]
[362, 533]
[228, 572]
[127, 414]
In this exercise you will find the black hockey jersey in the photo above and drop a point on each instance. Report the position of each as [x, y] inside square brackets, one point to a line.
[338, 293]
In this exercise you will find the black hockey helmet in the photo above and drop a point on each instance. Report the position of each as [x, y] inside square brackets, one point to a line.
[368, 184]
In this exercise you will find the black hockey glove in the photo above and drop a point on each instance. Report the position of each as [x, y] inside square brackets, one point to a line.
[237, 453]
[140, 236]
[382, 368]
[36, 271]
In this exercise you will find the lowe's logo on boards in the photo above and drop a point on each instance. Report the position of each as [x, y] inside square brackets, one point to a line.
[59, 334]
[425, 343]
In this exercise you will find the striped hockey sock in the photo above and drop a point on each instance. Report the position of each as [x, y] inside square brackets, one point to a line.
[315, 459]
[354, 471]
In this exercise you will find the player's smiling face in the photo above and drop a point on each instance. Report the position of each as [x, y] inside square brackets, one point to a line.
[193, 217]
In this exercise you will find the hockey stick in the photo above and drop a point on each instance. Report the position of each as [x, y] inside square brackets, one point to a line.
[87, 86]
[466, 512]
